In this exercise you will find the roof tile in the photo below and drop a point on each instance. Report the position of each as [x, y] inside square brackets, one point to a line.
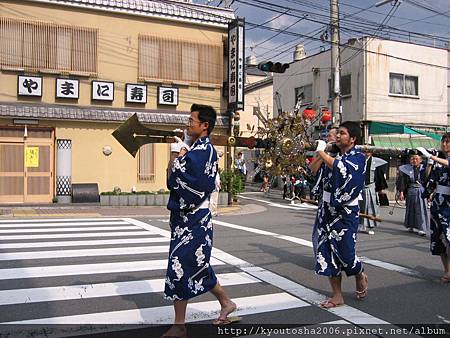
[174, 9]
[98, 114]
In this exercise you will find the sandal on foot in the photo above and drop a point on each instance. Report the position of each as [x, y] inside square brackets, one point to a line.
[329, 304]
[445, 279]
[227, 321]
[361, 295]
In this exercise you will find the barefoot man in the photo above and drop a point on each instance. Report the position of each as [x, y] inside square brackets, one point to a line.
[191, 180]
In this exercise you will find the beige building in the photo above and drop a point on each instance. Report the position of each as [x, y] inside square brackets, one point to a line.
[71, 72]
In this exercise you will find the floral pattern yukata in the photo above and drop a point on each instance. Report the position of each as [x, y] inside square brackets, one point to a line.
[440, 208]
[338, 216]
[191, 182]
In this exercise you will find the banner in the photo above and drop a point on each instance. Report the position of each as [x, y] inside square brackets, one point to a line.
[236, 64]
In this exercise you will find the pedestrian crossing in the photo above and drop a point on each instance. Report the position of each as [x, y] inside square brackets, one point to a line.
[105, 260]
[98, 275]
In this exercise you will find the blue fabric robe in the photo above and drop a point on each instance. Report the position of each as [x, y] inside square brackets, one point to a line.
[338, 217]
[317, 191]
[440, 209]
[191, 182]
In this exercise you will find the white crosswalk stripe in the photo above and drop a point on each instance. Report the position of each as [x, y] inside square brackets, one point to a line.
[68, 269]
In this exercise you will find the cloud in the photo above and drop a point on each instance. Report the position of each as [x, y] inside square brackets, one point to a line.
[282, 22]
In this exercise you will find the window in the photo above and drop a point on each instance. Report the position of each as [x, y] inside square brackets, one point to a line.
[401, 84]
[305, 92]
[166, 59]
[345, 84]
[146, 170]
[47, 47]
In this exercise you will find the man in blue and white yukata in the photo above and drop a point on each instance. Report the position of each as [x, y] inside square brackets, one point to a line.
[338, 214]
[438, 188]
[317, 167]
[191, 180]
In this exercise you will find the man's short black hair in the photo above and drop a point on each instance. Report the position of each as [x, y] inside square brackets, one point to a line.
[206, 114]
[354, 130]
[445, 137]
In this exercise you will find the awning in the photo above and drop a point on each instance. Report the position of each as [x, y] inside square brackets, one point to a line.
[380, 128]
[377, 128]
[391, 141]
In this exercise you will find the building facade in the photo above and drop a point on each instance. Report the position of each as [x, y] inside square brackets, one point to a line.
[381, 81]
[71, 72]
[399, 91]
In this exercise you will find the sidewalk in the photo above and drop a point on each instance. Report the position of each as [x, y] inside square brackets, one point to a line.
[92, 210]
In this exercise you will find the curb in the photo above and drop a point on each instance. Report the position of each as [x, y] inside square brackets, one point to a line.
[94, 212]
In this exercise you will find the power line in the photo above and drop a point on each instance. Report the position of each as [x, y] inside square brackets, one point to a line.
[355, 48]
[421, 20]
[426, 7]
[362, 24]
[385, 20]
[395, 16]
[274, 36]
[268, 21]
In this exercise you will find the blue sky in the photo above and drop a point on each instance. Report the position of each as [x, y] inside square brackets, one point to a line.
[309, 17]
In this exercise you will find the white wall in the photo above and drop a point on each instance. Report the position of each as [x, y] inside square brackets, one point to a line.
[431, 105]
[301, 73]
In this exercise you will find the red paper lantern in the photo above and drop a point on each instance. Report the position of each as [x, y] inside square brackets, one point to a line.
[326, 116]
[309, 114]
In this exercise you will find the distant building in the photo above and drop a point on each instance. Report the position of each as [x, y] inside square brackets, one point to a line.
[258, 107]
[72, 71]
[381, 81]
[399, 91]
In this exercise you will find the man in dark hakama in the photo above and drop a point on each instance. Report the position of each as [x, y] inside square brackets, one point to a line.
[410, 185]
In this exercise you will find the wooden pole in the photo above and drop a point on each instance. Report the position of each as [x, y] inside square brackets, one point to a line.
[373, 218]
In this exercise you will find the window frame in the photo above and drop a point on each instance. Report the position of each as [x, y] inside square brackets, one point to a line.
[146, 177]
[37, 46]
[349, 94]
[209, 65]
[304, 103]
[404, 76]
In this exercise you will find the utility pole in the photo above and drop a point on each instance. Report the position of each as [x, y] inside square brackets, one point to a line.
[335, 62]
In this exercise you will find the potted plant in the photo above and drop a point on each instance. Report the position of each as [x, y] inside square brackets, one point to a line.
[123, 198]
[142, 197]
[231, 182]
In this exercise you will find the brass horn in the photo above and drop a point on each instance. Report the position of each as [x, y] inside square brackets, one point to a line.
[132, 135]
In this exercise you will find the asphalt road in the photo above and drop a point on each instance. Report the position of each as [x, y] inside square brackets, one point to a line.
[86, 276]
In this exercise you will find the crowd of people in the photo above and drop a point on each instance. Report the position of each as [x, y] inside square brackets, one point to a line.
[341, 178]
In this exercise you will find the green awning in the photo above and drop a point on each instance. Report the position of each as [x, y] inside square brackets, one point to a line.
[434, 136]
[377, 128]
[380, 128]
[404, 142]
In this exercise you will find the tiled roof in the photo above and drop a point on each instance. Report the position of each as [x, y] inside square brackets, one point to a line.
[164, 9]
[97, 114]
